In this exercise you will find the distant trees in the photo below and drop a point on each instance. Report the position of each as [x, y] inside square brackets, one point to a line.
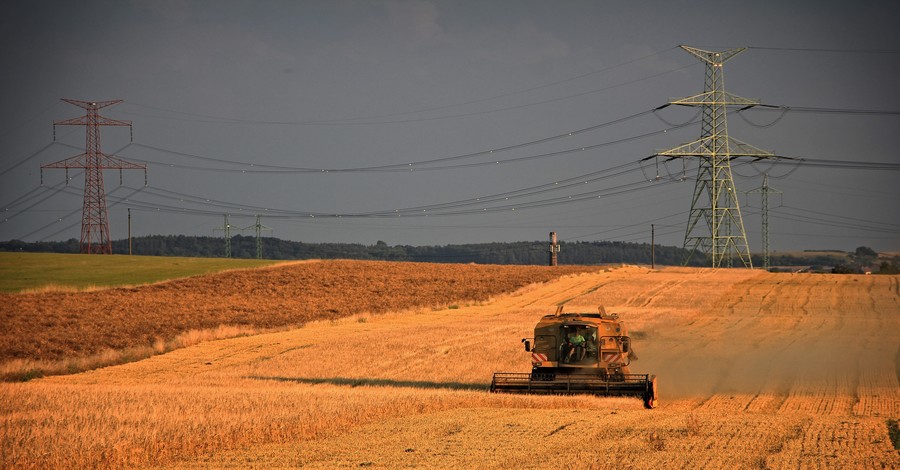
[521, 253]
[69, 246]
[865, 259]
[818, 261]
[888, 267]
[864, 256]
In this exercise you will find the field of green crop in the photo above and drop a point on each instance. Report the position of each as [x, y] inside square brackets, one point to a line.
[27, 271]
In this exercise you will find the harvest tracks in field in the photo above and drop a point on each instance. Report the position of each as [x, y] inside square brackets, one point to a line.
[758, 370]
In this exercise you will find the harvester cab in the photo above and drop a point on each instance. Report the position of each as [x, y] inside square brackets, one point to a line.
[587, 353]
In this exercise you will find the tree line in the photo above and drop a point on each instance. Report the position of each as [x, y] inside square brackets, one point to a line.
[523, 252]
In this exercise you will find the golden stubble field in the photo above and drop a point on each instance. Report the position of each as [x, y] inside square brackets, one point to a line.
[757, 370]
[55, 325]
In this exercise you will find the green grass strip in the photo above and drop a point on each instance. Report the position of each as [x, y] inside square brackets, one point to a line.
[23, 271]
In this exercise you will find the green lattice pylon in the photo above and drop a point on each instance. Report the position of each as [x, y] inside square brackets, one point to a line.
[721, 235]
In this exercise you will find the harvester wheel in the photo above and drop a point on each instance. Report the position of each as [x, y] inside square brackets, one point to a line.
[651, 397]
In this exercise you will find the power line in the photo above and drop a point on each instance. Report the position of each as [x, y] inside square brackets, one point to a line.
[826, 235]
[439, 209]
[391, 168]
[70, 191]
[873, 223]
[784, 110]
[413, 166]
[854, 191]
[642, 223]
[558, 185]
[824, 110]
[447, 210]
[642, 235]
[31, 195]
[819, 49]
[830, 223]
[172, 209]
[353, 120]
[838, 164]
[421, 165]
[25, 197]
[114, 204]
[403, 167]
[26, 158]
[456, 207]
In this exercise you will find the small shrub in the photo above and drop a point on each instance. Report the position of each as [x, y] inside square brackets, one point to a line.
[29, 375]
[845, 269]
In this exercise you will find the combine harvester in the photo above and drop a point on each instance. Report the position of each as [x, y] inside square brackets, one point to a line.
[579, 353]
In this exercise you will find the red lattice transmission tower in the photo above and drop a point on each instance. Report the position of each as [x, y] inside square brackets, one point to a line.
[94, 214]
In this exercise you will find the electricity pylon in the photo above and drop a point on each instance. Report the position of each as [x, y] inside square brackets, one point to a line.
[764, 192]
[722, 236]
[259, 228]
[94, 214]
[226, 227]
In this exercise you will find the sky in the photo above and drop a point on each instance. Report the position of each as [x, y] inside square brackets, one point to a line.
[447, 122]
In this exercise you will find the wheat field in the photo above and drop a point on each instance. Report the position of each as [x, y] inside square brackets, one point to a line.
[756, 370]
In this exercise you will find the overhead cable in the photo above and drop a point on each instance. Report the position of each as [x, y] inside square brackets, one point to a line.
[413, 165]
[822, 49]
[409, 168]
[375, 119]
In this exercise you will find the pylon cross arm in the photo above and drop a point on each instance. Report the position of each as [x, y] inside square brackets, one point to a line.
[706, 147]
[78, 161]
[84, 121]
[112, 162]
[91, 104]
[106, 162]
[739, 148]
[713, 98]
[714, 58]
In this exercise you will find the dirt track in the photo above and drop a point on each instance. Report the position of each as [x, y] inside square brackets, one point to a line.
[756, 370]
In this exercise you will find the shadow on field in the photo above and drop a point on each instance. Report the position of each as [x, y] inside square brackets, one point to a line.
[375, 382]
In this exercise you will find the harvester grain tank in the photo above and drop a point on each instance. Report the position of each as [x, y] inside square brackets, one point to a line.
[580, 353]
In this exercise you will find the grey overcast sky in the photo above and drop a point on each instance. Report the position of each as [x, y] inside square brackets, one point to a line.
[403, 102]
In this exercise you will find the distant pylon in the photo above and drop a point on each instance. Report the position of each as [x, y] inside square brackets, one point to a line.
[715, 201]
[94, 214]
[259, 228]
[764, 191]
[226, 227]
